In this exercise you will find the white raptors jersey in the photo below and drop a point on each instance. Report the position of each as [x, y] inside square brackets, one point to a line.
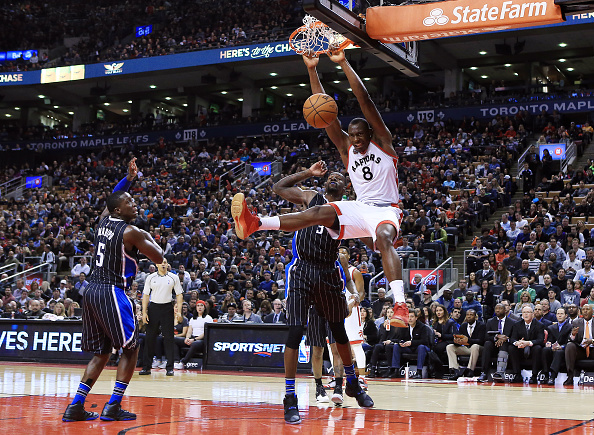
[374, 175]
[352, 324]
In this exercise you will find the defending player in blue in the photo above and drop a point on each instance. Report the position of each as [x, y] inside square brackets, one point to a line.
[109, 319]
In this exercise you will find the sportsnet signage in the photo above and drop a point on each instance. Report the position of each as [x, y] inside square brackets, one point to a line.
[556, 150]
[246, 346]
[456, 17]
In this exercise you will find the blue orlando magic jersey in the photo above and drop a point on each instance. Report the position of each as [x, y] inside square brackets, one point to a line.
[112, 264]
[314, 244]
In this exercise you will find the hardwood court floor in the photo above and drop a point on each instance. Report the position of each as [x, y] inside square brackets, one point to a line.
[33, 397]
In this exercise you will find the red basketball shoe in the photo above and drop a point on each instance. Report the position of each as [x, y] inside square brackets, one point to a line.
[400, 317]
[245, 222]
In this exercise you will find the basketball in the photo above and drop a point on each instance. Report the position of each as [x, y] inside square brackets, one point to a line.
[320, 110]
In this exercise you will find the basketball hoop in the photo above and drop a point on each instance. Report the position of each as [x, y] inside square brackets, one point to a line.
[315, 37]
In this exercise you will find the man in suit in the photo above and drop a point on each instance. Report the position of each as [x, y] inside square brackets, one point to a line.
[508, 311]
[580, 345]
[497, 339]
[471, 344]
[554, 350]
[277, 316]
[539, 316]
[415, 340]
[527, 341]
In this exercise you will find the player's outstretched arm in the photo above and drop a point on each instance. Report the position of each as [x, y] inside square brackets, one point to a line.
[338, 137]
[381, 133]
[285, 188]
[125, 183]
[144, 243]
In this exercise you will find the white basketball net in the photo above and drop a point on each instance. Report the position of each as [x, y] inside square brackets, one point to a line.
[314, 37]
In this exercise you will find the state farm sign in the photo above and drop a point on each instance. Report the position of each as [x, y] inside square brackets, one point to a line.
[455, 18]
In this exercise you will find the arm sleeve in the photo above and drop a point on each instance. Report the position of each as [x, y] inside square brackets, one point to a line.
[147, 285]
[177, 285]
[124, 185]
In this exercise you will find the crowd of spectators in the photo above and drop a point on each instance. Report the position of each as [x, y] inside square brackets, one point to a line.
[100, 28]
[451, 175]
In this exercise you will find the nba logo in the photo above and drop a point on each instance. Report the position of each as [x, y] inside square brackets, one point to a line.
[303, 352]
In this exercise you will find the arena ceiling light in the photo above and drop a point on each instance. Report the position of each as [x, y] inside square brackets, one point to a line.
[289, 95]
[366, 79]
[562, 60]
[570, 69]
[562, 44]
[8, 115]
[129, 101]
[350, 89]
[168, 98]
[336, 81]
[185, 104]
[273, 74]
[153, 86]
[71, 113]
[106, 104]
[473, 68]
[338, 67]
[507, 65]
[224, 92]
[125, 110]
[273, 87]
[41, 96]
[302, 84]
[484, 77]
[516, 74]
[482, 53]
[56, 107]
[17, 108]
[240, 99]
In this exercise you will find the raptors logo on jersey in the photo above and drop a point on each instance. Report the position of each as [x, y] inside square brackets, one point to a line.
[374, 175]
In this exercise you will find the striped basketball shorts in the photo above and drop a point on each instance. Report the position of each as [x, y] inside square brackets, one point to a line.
[307, 285]
[109, 319]
[318, 329]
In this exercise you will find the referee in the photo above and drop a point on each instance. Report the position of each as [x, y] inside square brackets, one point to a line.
[157, 288]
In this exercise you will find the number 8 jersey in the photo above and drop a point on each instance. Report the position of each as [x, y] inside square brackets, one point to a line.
[374, 175]
[112, 264]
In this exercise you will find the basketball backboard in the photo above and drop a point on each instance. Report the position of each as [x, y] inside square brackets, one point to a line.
[402, 56]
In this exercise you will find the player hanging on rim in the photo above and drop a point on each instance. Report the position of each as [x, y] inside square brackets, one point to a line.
[314, 277]
[367, 152]
[109, 319]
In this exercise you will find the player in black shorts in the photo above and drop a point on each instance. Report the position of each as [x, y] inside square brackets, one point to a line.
[109, 319]
[314, 278]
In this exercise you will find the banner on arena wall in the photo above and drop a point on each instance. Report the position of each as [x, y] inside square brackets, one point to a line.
[42, 340]
[429, 279]
[37, 277]
[556, 150]
[136, 66]
[432, 20]
[249, 346]
[430, 116]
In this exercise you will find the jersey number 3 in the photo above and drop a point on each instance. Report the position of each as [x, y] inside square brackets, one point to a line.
[100, 254]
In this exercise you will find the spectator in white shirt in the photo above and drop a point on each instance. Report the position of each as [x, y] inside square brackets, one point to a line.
[82, 266]
[572, 264]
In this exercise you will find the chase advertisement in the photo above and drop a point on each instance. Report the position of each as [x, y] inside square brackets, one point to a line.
[249, 347]
[42, 340]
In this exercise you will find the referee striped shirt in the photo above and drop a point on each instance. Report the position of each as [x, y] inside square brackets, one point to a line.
[159, 287]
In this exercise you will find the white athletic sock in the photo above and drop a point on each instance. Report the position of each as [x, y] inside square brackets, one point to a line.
[359, 357]
[397, 287]
[270, 223]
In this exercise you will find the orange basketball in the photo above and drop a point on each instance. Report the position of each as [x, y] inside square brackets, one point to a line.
[320, 110]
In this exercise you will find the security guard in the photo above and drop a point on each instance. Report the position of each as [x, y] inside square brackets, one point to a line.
[158, 287]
